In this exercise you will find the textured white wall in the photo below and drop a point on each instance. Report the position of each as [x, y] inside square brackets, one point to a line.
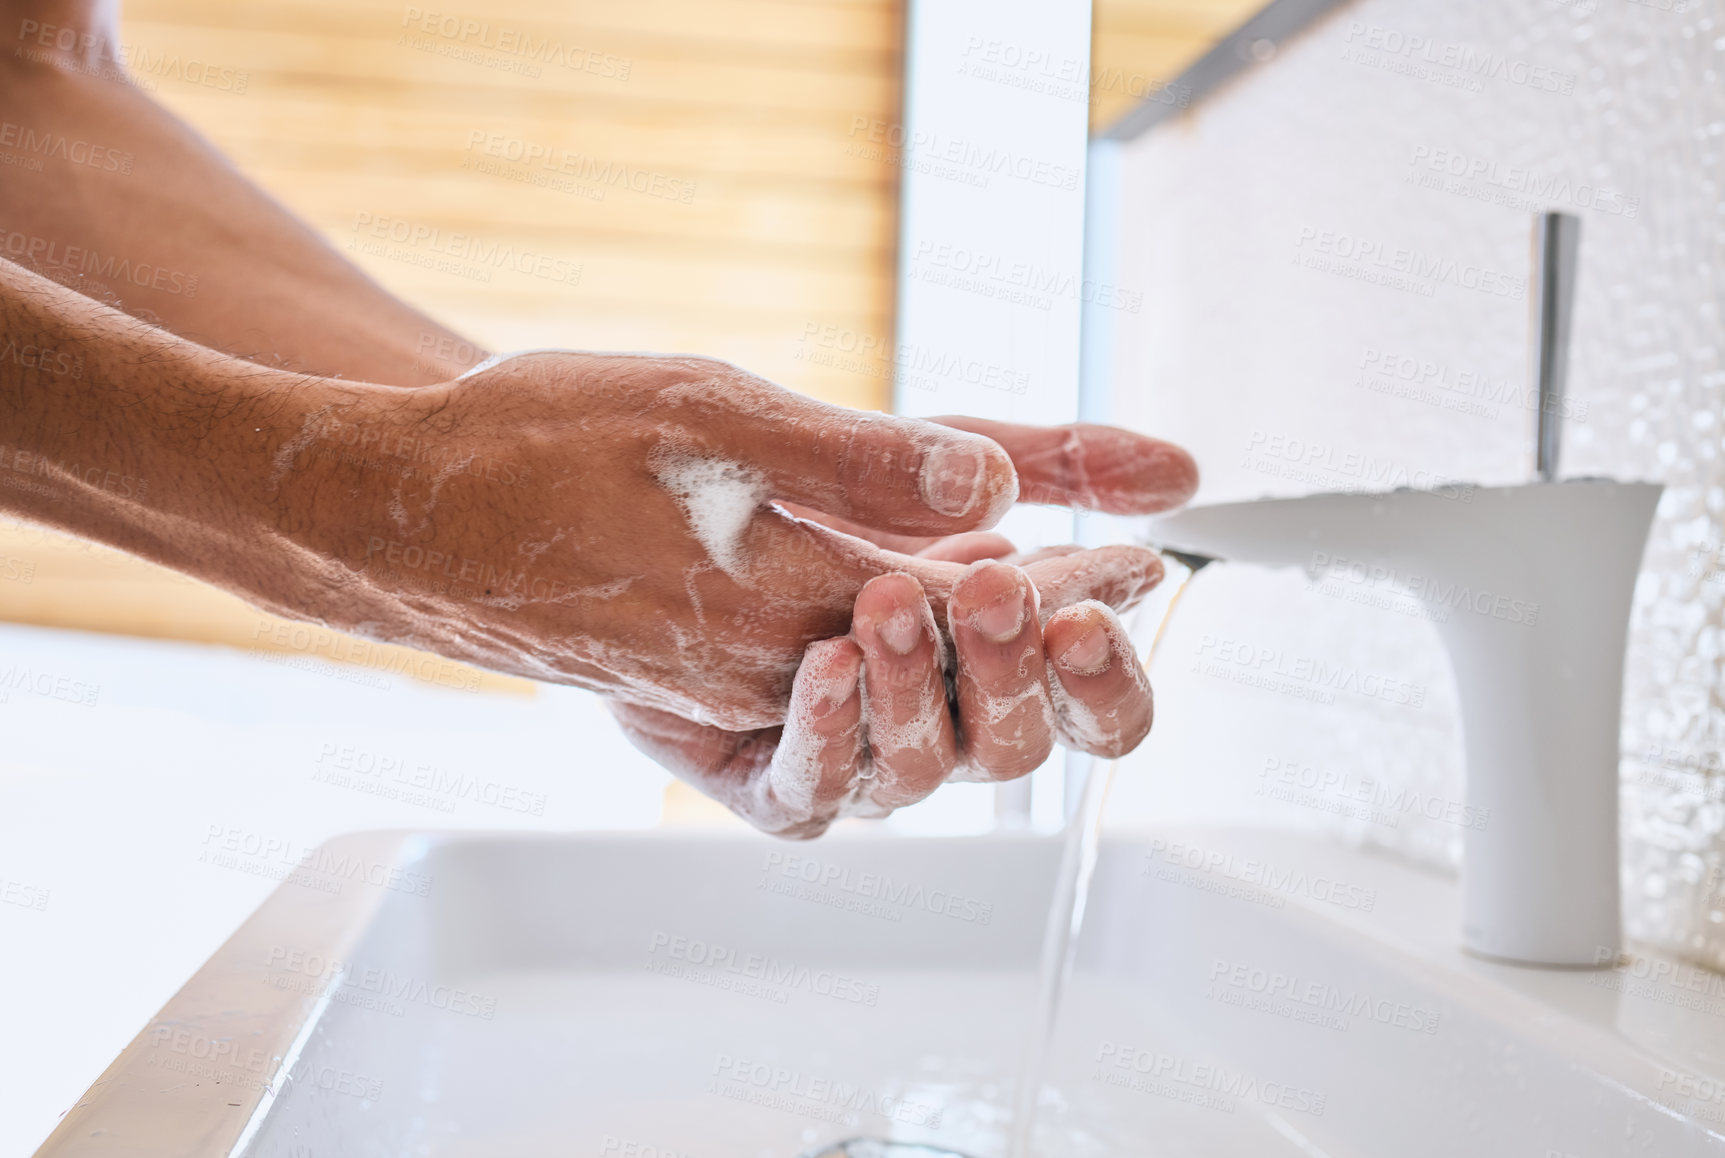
[1334, 253]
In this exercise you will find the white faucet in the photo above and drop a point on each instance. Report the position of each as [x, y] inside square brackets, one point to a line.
[1540, 579]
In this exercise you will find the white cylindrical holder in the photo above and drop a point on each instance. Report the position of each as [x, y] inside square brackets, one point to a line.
[1541, 579]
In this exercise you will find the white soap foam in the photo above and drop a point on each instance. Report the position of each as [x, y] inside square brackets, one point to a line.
[719, 499]
[288, 453]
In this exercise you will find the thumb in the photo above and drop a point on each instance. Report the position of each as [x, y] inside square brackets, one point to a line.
[879, 470]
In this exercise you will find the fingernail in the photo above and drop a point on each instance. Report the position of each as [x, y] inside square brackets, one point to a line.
[1000, 621]
[840, 689]
[901, 632]
[1090, 655]
[951, 478]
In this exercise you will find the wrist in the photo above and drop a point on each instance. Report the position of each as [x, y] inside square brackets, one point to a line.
[276, 480]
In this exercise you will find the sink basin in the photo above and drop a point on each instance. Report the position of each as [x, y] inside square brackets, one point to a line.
[1235, 993]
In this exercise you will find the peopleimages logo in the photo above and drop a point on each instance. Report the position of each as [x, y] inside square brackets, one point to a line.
[927, 368]
[406, 772]
[1521, 187]
[997, 276]
[23, 895]
[17, 678]
[184, 1051]
[28, 249]
[1367, 253]
[1317, 995]
[1464, 59]
[875, 893]
[1262, 873]
[47, 359]
[582, 170]
[113, 63]
[1676, 1083]
[467, 32]
[458, 253]
[917, 147]
[314, 866]
[1300, 458]
[18, 460]
[1309, 677]
[1449, 595]
[1198, 1083]
[1466, 389]
[630, 1148]
[384, 983]
[1376, 800]
[1662, 981]
[713, 963]
[73, 151]
[780, 1087]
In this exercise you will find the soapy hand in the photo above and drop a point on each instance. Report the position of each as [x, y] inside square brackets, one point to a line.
[871, 725]
[874, 724]
[613, 521]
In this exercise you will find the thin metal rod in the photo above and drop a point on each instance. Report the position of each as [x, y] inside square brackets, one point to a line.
[1556, 248]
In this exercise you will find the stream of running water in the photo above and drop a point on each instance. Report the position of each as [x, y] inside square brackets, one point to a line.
[1071, 896]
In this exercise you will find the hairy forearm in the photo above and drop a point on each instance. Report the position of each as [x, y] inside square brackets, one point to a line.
[120, 432]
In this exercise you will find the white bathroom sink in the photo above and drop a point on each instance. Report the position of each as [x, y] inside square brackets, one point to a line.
[648, 997]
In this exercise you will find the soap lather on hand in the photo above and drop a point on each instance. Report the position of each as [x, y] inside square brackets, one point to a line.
[1022, 656]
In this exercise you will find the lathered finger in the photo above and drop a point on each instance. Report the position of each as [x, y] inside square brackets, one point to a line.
[1091, 467]
[1005, 714]
[816, 767]
[908, 728]
[1116, 577]
[1102, 699]
[968, 548]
